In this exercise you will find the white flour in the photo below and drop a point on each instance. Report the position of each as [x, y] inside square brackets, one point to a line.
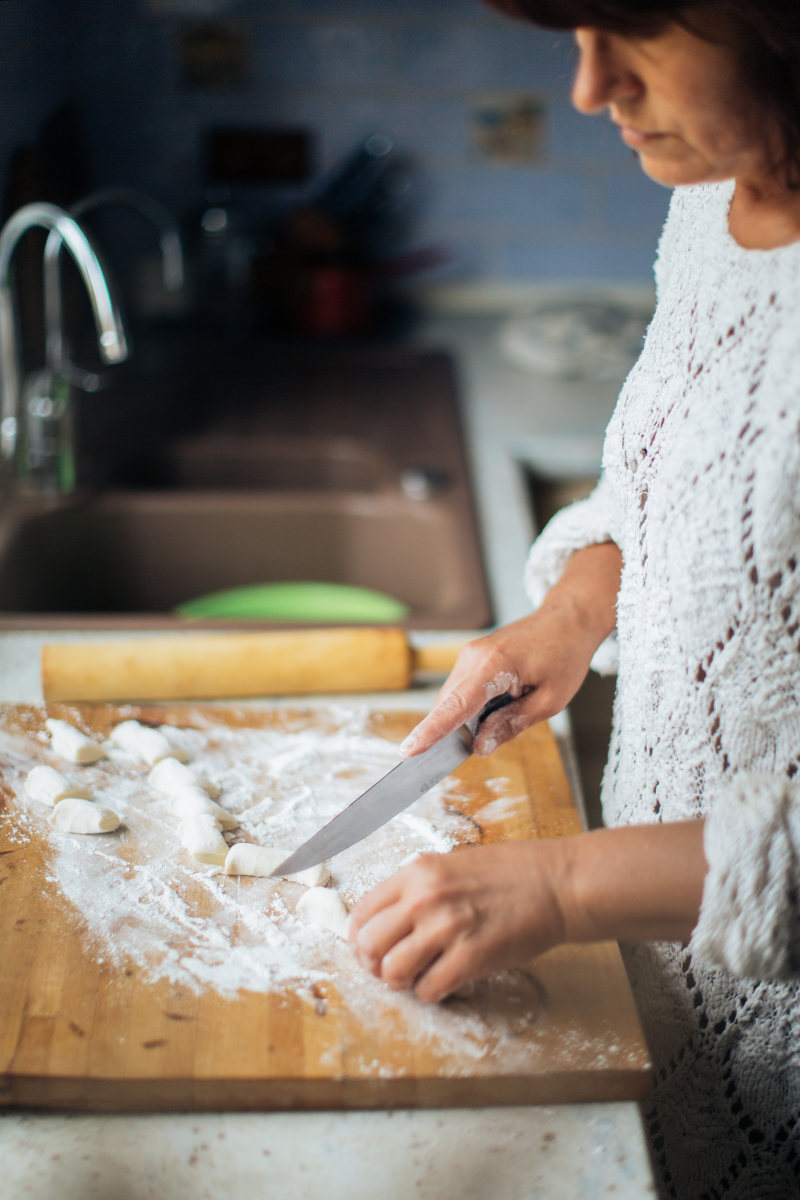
[144, 903]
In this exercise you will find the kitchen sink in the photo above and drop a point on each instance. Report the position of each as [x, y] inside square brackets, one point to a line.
[340, 465]
[126, 552]
[224, 461]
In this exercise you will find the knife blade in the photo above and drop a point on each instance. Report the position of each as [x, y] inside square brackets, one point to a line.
[404, 784]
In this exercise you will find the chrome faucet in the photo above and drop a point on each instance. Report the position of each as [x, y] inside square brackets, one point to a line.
[172, 271]
[36, 447]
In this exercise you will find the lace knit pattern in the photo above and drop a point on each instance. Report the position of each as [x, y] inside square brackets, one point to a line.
[701, 491]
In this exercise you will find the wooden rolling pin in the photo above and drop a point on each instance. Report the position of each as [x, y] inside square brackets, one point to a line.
[192, 666]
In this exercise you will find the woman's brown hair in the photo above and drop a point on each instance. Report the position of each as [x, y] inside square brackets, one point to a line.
[768, 41]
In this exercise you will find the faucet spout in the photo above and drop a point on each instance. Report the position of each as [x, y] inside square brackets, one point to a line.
[169, 239]
[172, 262]
[108, 321]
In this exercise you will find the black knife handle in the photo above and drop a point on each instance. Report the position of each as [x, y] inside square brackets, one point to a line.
[491, 706]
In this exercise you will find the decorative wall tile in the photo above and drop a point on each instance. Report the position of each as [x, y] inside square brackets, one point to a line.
[343, 69]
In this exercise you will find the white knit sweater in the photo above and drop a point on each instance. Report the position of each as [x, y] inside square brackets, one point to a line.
[701, 492]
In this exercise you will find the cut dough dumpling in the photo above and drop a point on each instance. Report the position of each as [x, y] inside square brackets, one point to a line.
[193, 801]
[71, 743]
[169, 775]
[76, 815]
[247, 859]
[48, 786]
[150, 744]
[202, 838]
[324, 906]
[316, 876]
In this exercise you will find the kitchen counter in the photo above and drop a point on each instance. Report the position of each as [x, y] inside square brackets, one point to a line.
[591, 1150]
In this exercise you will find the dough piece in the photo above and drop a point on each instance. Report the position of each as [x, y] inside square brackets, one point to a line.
[48, 786]
[316, 876]
[150, 744]
[71, 743]
[193, 801]
[246, 859]
[202, 838]
[170, 775]
[324, 906]
[76, 815]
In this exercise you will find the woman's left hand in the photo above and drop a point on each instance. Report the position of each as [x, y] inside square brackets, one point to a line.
[447, 919]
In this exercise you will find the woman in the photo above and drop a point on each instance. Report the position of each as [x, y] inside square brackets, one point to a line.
[685, 562]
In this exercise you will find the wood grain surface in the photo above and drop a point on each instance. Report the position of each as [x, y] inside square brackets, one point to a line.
[84, 1029]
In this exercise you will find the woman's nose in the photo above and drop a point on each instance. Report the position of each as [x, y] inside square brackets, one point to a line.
[604, 74]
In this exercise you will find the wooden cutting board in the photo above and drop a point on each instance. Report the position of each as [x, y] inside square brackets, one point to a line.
[133, 978]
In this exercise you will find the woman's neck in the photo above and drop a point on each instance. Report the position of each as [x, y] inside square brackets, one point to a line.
[764, 216]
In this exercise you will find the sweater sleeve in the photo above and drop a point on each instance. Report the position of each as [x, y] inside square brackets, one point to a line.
[583, 523]
[750, 915]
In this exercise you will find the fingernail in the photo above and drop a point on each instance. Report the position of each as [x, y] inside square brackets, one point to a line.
[408, 745]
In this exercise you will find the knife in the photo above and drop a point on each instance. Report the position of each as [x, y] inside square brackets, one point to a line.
[398, 789]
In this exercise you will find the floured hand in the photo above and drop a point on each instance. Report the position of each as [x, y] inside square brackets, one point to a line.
[540, 660]
[446, 919]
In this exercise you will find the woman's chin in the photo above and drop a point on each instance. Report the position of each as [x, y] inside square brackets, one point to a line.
[678, 172]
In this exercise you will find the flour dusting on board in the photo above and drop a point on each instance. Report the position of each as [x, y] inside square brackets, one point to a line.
[144, 902]
[140, 905]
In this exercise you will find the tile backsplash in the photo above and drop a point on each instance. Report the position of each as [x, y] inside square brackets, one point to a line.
[580, 207]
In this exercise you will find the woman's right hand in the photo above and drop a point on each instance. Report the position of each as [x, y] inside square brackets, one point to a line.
[541, 660]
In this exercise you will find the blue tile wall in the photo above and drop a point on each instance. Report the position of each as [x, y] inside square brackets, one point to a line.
[344, 68]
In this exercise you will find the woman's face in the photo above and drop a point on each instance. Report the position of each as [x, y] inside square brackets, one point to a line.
[681, 103]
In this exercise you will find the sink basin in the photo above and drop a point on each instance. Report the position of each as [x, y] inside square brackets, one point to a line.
[127, 553]
[229, 461]
[300, 480]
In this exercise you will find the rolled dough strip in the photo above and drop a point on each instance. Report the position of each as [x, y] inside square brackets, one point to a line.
[247, 859]
[169, 775]
[202, 838]
[48, 786]
[192, 802]
[71, 743]
[150, 744]
[324, 906]
[76, 815]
